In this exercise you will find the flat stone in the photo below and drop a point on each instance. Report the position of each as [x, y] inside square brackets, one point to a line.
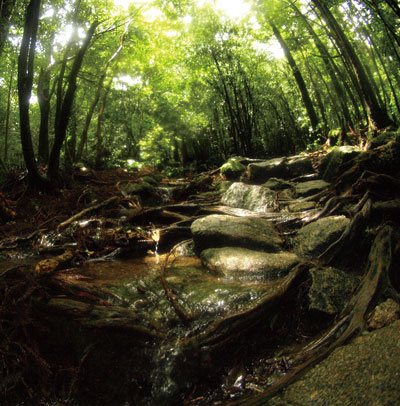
[277, 184]
[225, 231]
[250, 197]
[310, 188]
[245, 264]
[316, 237]
[282, 168]
[330, 290]
[363, 372]
[301, 206]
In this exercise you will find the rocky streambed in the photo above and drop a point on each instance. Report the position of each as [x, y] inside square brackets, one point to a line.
[242, 287]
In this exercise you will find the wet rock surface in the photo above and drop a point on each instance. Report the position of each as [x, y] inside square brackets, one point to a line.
[244, 264]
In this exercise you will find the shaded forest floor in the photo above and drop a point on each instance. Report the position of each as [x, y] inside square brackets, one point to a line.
[112, 214]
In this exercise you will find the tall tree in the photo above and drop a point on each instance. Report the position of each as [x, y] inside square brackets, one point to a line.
[6, 9]
[66, 106]
[298, 77]
[378, 115]
[25, 82]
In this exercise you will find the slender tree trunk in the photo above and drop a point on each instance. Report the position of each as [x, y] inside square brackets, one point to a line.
[25, 81]
[43, 93]
[6, 9]
[96, 99]
[298, 77]
[378, 115]
[99, 144]
[329, 66]
[8, 112]
[65, 109]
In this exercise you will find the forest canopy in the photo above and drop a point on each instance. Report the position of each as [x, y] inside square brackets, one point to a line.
[187, 84]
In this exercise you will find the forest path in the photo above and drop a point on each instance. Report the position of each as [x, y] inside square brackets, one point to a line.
[119, 273]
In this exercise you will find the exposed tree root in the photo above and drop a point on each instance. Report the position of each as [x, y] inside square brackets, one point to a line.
[375, 285]
[340, 252]
[85, 211]
[183, 316]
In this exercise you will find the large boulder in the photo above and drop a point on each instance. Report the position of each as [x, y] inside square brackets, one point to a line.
[282, 168]
[330, 166]
[330, 290]
[225, 231]
[314, 238]
[250, 197]
[245, 264]
[363, 372]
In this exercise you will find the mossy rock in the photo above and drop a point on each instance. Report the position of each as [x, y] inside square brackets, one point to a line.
[314, 238]
[331, 164]
[250, 197]
[233, 168]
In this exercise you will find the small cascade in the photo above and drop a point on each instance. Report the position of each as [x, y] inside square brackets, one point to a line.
[166, 382]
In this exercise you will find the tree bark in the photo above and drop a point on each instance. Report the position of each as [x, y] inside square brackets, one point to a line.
[298, 77]
[6, 8]
[378, 115]
[43, 93]
[25, 81]
[66, 105]
[329, 66]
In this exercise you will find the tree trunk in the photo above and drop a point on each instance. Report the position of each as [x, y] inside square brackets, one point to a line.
[100, 84]
[377, 114]
[66, 105]
[99, 145]
[8, 112]
[6, 8]
[25, 81]
[298, 77]
[329, 66]
[43, 93]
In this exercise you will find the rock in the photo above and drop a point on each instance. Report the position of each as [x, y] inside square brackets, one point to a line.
[299, 165]
[223, 186]
[277, 184]
[363, 372]
[282, 168]
[245, 264]
[233, 168]
[330, 290]
[301, 206]
[384, 314]
[262, 171]
[310, 188]
[315, 238]
[329, 168]
[224, 231]
[249, 197]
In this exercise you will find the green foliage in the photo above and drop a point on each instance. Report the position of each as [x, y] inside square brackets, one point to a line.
[191, 87]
